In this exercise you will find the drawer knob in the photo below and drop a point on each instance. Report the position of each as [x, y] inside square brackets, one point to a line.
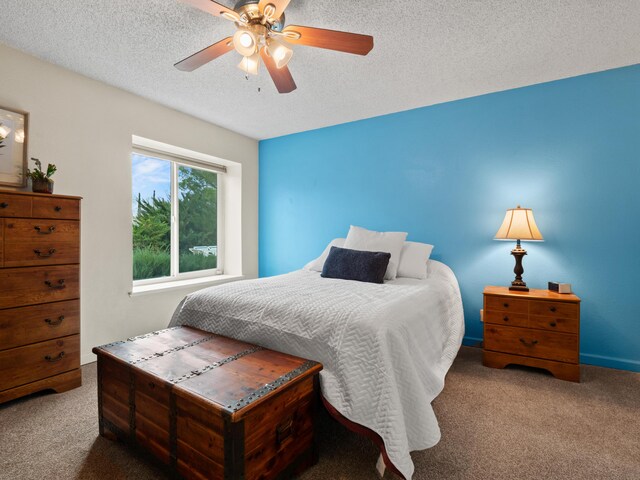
[552, 309]
[552, 324]
[505, 305]
[505, 318]
[59, 286]
[528, 344]
[44, 255]
[54, 323]
[47, 231]
[57, 358]
[57, 208]
[4, 205]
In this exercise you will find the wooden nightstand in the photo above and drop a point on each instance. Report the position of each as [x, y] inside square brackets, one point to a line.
[538, 328]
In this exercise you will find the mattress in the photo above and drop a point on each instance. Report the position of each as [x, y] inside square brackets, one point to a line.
[386, 348]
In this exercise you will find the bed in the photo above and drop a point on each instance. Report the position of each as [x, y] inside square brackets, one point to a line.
[386, 348]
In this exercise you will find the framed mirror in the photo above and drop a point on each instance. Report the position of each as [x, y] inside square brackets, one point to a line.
[14, 126]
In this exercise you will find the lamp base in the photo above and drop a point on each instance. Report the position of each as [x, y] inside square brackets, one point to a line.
[518, 284]
[519, 288]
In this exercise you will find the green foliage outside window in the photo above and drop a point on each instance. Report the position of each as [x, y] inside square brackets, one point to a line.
[197, 212]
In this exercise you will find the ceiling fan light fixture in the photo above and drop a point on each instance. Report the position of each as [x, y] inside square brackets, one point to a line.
[250, 64]
[245, 42]
[280, 53]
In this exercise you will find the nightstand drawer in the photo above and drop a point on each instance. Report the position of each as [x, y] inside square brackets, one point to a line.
[554, 309]
[557, 324]
[506, 318]
[506, 304]
[562, 347]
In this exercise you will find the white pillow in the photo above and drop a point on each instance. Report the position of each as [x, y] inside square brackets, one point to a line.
[370, 241]
[317, 264]
[413, 260]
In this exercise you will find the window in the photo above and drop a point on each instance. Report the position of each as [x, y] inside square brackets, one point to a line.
[176, 221]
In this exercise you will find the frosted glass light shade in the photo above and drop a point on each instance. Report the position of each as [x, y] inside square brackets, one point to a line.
[250, 64]
[280, 53]
[245, 42]
[519, 224]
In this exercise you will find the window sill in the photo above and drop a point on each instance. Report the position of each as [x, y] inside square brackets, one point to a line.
[187, 283]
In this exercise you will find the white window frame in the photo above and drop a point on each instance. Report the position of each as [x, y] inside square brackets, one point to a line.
[177, 161]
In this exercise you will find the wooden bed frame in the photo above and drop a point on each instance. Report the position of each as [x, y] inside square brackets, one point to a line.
[365, 432]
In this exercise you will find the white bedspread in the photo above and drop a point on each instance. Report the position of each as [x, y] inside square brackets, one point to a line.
[385, 348]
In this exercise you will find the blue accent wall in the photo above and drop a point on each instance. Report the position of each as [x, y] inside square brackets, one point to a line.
[568, 149]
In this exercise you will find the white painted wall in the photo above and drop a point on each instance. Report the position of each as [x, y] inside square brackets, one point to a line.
[85, 127]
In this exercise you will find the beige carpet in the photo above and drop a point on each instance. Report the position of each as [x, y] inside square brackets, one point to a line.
[496, 424]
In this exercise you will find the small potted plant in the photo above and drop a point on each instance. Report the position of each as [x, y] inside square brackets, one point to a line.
[40, 180]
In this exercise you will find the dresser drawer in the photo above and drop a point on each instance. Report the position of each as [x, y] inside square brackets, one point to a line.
[22, 365]
[506, 318]
[14, 205]
[25, 325]
[506, 304]
[554, 309]
[556, 324]
[41, 253]
[23, 230]
[562, 347]
[53, 207]
[30, 286]
[31, 242]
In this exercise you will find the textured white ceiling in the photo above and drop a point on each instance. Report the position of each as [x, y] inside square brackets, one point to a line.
[426, 52]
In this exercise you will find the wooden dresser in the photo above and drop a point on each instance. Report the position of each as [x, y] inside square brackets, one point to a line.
[39, 293]
[538, 328]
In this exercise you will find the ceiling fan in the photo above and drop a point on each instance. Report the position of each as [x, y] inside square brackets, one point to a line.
[262, 35]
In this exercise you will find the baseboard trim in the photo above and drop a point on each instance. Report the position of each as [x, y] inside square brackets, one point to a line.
[610, 362]
[88, 358]
[472, 342]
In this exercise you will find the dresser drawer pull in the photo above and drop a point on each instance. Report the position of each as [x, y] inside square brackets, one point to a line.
[552, 324]
[4, 205]
[57, 358]
[45, 255]
[60, 285]
[505, 318]
[505, 305]
[552, 309]
[54, 323]
[528, 344]
[48, 231]
[57, 208]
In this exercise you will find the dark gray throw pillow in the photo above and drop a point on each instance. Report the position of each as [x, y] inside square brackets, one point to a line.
[358, 265]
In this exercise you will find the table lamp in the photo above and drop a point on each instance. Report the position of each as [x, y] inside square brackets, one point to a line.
[519, 224]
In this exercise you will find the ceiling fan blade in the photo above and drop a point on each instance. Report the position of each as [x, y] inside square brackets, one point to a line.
[329, 39]
[214, 8]
[276, 11]
[280, 76]
[205, 55]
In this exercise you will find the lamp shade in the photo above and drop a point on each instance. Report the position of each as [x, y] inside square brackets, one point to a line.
[519, 224]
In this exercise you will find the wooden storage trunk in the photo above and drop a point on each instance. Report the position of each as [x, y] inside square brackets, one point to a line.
[209, 406]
